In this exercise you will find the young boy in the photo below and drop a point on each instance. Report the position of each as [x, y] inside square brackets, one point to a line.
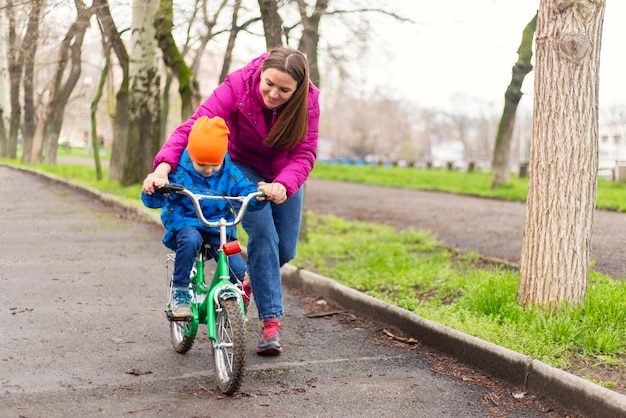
[204, 166]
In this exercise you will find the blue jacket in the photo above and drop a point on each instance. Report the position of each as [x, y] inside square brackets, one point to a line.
[178, 211]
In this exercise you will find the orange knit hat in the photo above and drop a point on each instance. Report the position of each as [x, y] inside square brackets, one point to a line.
[208, 140]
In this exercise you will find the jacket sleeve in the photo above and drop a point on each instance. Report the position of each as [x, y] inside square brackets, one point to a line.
[302, 158]
[153, 201]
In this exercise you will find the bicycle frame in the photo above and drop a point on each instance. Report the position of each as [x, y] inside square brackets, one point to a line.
[207, 297]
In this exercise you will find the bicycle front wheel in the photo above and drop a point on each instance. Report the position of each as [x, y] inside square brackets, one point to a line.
[229, 347]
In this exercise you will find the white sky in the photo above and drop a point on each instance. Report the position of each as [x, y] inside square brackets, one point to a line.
[469, 47]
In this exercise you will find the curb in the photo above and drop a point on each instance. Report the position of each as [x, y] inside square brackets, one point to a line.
[571, 392]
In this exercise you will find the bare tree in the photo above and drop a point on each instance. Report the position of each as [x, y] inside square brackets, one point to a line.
[309, 42]
[49, 126]
[95, 143]
[174, 59]
[5, 84]
[501, 165]
[120, 126]
[29, 50]
[464, 123]
[210, 22]
[235, 29]
[556, 247]
[15, 61]
[272, 23]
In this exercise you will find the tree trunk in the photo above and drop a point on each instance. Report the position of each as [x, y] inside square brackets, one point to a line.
[3, 134]
[95, 143]
[232, 36]
[309, 42]
[501, 170]
[165, 106]
[272, 23]
[120, 125]
[144, 104]
[29, 49]
[120, 130]
[555, 259]
[5, 84]
[173, 59]
[15, 79]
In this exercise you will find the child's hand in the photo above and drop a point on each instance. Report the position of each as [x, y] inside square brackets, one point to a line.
[274, 192]
[158, 178]
[152, 181]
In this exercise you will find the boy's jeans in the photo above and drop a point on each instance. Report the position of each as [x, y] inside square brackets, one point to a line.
[189, 240]
[272, 240]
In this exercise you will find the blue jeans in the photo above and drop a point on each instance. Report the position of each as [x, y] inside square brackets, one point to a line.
[272, 241]
[189, 240]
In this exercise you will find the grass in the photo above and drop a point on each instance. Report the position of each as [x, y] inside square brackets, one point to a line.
[414, 271]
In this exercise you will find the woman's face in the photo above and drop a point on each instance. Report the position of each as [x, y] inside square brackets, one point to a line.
[276, 87]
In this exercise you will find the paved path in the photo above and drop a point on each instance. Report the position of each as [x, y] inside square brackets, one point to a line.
[82, 333]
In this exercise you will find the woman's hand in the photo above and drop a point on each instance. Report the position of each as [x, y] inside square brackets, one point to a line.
[158, 178]
[274, 192]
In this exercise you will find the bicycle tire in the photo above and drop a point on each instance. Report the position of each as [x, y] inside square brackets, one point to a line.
[180, 341]
[229, 349]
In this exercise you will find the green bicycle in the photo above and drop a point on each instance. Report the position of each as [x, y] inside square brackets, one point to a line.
[217, 304]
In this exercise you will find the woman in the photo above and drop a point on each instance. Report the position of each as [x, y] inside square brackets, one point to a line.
[272, 111]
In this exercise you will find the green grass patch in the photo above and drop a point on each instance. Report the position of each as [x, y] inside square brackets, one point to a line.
[412, 270]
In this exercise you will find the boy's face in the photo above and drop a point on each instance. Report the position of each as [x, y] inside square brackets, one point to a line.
[206, 170]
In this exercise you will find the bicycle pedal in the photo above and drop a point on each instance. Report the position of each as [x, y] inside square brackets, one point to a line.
[171, 317]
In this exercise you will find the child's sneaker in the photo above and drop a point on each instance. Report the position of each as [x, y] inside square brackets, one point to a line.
[269, 340]
[180, 302]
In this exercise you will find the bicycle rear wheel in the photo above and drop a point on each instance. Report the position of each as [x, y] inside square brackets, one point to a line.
[229, 349]
[181, 342]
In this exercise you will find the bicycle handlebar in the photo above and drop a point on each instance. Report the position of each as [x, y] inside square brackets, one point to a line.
[197, 197]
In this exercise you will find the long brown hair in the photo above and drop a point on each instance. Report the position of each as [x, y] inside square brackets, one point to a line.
[292, 124]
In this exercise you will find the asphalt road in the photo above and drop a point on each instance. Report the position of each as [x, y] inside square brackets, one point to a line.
[491, 228]
[84, 334]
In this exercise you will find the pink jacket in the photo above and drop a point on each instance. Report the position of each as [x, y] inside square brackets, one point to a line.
[238, 101]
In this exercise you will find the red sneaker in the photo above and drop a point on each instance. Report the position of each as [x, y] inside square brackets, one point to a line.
[247, 295]
[269, 340]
